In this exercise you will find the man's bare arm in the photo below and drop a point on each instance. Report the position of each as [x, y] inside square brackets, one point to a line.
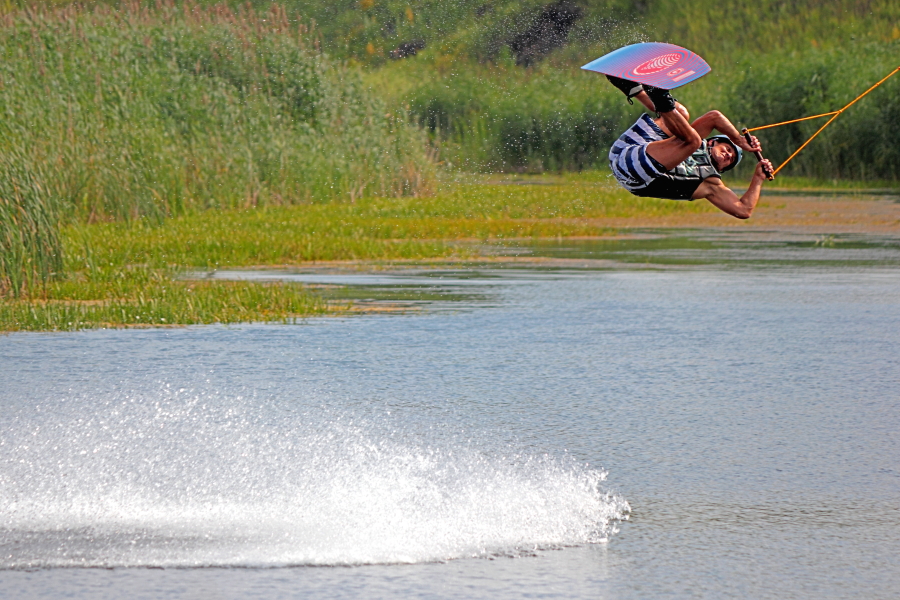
[724, 199]
[716, 120]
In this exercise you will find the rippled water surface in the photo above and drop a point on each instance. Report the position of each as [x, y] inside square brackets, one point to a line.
[653, 422]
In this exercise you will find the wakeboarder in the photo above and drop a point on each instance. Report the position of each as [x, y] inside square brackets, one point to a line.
[668, 157]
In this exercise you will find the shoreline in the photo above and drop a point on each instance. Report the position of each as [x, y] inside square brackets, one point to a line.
[134, 276]
[789, 214]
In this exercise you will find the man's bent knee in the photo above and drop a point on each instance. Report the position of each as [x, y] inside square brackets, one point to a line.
[682, 129]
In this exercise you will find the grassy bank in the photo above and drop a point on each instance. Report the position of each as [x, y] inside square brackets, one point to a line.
[133, 273]
[369, 229]
[130, 273]
[147, 113]
[145, 297]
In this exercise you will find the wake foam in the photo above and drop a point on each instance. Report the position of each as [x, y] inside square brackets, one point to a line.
[206, 481]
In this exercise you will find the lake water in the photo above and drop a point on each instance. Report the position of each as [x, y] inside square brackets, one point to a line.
[700, 417]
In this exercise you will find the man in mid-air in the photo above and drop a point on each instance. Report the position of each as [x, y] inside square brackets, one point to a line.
[668, 157]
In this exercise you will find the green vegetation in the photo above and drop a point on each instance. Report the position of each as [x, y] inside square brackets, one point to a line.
[811, 58]
[370, 229]
[860, 144]
[772, 60]
[141, 141]
[131, 273]
[135, 297]
[146, 114]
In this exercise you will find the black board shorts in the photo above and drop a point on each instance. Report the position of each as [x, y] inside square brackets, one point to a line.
[669, 188]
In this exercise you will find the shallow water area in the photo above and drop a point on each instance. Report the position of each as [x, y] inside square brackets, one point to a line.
[701, 415]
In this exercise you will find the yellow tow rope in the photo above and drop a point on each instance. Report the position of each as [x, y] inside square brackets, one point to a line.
[834, 115]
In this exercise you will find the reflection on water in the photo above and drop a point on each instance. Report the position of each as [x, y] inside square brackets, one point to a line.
[745, 410]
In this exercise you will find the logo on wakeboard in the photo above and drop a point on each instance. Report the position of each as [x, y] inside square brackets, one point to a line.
[655, 65]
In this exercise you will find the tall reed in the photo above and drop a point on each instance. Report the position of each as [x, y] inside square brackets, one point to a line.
[144, 113]
[550, 118]
[815, 57]
[860, 144]
[30, 248]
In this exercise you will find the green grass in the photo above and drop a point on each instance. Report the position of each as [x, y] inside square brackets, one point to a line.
[131, 273]
[30, 245]
[140, 141]
[772, 61]
[146, 297]
[500, 117]
[147, 113]
[370, 229]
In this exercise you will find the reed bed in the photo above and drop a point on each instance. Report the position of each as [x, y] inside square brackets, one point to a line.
[488, 113]
[860, 144]
[30, 245]
[145, 113]
[502, 118]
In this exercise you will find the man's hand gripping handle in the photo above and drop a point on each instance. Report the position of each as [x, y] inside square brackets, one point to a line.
[759, 157]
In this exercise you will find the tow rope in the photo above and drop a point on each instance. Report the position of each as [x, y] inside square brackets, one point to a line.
[834, 115]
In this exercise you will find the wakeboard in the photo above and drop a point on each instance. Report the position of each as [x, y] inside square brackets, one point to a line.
[665, 66]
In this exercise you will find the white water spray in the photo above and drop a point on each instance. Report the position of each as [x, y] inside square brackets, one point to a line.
[182, 479]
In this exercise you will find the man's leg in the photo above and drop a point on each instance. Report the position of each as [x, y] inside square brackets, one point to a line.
[672, 151]
[631, 90]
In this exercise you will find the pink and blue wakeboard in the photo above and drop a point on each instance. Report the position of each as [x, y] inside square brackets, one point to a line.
[665, 66]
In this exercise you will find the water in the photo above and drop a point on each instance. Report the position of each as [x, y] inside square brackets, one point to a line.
[578, 429]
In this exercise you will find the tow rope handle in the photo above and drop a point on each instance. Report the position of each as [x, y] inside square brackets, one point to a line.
[759, 157]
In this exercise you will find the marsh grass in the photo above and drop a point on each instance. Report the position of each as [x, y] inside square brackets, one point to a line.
[814, 57]
[122, 125]
[860, 144]
[132, 273]
[146, 113]
[554, 117]
[500, 118]
[145, 297]
[370, 229]
[30, 245]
